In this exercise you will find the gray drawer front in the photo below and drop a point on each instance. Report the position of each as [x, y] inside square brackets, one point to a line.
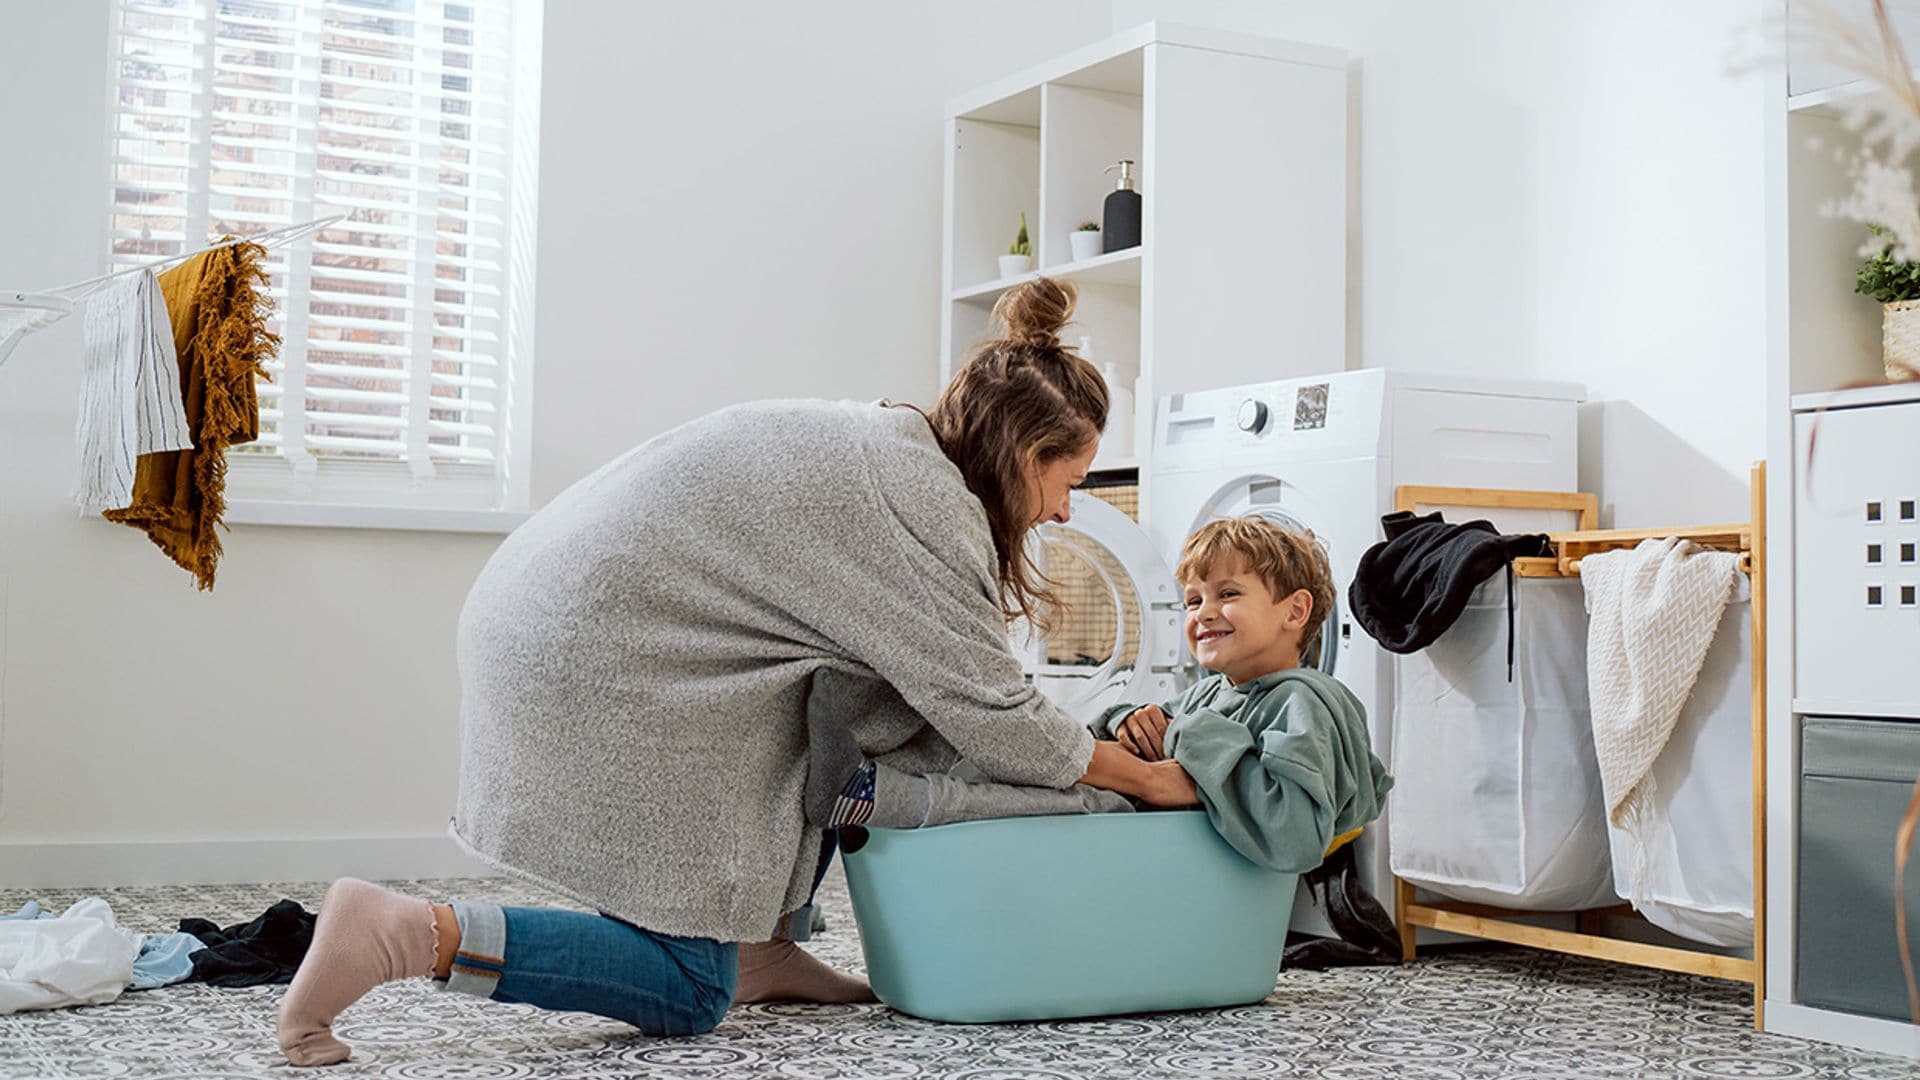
[1856, 777]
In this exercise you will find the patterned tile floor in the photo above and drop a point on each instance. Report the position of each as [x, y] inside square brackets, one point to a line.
[1482, 1013]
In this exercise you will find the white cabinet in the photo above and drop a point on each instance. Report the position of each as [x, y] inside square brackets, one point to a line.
[1240, 151]
[1857, 561]
[1843, 608]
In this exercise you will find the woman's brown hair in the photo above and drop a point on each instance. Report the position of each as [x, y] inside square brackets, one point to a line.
[1020, 400]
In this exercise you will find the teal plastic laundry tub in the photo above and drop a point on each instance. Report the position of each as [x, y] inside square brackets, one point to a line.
[1084, 915]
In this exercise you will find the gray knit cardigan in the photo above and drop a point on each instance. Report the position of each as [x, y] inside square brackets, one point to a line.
[636, 660]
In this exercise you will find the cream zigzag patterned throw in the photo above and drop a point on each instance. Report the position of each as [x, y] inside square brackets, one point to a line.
[1652, 613]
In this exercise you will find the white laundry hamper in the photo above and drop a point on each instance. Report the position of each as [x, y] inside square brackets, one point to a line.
[1700, 852]
[1497, 796]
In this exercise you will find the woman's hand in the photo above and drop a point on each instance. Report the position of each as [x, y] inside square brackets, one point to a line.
[1169, 785]
[1144, 733]
[1157, 783]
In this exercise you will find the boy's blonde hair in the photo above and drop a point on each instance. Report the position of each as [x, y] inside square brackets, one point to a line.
[1285, 559]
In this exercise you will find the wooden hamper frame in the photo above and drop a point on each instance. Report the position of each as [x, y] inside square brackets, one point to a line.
[1500, 924]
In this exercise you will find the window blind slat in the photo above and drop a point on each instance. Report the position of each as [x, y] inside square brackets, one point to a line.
[342, 371]
[240, 117]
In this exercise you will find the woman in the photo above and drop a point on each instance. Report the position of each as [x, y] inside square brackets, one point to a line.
[636, 664]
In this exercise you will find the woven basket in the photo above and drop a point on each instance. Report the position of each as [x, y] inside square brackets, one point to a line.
[1900, 340]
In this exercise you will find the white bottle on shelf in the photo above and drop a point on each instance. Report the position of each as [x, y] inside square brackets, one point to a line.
[1117, 442]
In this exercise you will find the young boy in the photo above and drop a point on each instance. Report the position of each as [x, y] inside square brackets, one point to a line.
[1279, 753]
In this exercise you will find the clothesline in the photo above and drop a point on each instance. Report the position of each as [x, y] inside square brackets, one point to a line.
[271, 239]
[45, 300]
[22, 312]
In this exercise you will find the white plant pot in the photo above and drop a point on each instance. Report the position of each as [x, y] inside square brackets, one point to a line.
[1900, 340]
[1086, 245]
[1015, 265]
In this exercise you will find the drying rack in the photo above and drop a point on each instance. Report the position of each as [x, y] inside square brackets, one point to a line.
[1503, 924]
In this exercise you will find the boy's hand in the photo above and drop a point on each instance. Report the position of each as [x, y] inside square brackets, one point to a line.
[1144, 733]
[1170, 786]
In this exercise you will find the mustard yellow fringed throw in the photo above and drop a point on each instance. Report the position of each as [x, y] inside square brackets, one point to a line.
[218, 305]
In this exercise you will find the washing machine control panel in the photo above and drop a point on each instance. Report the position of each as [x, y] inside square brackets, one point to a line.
[1309, 409]
[1298, 412]
[1338, 413]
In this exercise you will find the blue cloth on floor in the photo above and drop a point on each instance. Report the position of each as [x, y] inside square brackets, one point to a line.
[164, 959]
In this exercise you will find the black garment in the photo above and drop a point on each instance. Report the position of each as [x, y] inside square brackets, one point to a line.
[1410, 587]
[267, 950]
[1367, 936]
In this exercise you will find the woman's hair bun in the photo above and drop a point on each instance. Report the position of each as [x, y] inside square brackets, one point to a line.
[1035, 312]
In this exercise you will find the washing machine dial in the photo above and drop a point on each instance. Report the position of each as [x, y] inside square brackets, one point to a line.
[1253, 415]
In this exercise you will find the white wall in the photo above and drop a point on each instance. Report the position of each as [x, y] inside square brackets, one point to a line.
[1563, 190]
[738, 207]
[738, 201]
[735, 209]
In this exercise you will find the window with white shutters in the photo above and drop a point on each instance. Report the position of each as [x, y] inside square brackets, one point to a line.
[406, 328]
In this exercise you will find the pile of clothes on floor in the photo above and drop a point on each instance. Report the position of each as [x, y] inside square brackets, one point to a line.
[83, 956]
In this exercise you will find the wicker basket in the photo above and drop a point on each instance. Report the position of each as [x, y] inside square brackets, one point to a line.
[1900, 340]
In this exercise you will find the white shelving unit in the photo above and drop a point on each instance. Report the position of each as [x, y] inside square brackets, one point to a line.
[1821, 339]
[1240, 145]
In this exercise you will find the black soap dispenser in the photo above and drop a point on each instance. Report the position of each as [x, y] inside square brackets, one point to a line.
[1120, 227]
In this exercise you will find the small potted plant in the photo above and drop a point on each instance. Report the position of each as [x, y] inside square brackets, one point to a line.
[1085, 241]
[1019, 257]
[1896, 285]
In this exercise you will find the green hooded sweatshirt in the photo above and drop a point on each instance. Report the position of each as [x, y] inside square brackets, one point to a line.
[1283, 763]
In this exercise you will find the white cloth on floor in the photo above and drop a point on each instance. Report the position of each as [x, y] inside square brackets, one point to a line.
[130, 401]
[1652, 613]
[83, 957]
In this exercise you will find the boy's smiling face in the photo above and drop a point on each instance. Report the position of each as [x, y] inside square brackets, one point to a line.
[1236, 626]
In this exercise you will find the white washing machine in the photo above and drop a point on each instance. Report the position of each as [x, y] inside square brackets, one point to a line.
[1322, 453]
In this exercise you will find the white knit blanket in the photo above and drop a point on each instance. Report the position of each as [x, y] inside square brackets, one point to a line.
[1652, 613]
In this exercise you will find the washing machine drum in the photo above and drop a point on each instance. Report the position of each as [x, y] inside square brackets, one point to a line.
[1268, 497]
[1116, 635]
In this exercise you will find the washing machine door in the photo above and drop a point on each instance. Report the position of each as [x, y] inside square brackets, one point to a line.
[1278, 501]
[1117, 625]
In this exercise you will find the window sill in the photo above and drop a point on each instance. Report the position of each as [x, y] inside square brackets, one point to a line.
[366, 516]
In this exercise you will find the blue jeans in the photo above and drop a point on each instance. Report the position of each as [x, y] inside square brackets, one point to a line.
[570, 961]
[576, 962]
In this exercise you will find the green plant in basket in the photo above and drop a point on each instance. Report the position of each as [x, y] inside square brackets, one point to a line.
[1885, 278]
[1088, 226]
[1020, 245]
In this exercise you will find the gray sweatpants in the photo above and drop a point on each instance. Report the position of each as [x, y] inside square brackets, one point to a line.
[903, 800]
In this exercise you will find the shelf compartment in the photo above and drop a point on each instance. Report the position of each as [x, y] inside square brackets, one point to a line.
[1833, 333]
[1107, 313]
[1083, 132]
[996, 178]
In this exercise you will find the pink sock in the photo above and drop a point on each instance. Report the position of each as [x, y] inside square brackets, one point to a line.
[364, 936]
[779, 970]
